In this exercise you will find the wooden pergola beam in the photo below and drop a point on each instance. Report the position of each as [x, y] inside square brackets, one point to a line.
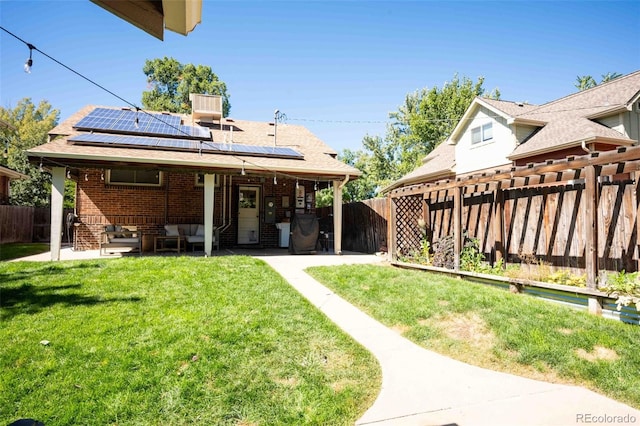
[630, 157]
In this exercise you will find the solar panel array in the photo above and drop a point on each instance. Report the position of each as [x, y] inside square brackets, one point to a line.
[172, 144]
[139, 122]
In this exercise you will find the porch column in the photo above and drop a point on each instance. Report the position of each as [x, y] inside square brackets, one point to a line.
[209, 188]
[337, 217]
[57, 198]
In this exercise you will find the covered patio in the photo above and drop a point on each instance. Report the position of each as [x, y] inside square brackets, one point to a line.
[239, 180]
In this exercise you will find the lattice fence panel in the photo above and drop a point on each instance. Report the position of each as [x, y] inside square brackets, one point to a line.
[408, 210]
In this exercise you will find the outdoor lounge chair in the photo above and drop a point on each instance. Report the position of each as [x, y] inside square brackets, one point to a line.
[120, 238]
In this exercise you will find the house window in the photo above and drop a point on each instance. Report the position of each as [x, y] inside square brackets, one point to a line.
[200, 180]
[134, 177]
[482, 133]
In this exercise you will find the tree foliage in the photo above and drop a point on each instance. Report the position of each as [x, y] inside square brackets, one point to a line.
[426, 119]
[32, 124]
[584, 82]
[171, 83]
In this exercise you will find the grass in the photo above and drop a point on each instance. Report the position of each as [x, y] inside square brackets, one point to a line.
[495, 329]
[18, 250]
[172, 341]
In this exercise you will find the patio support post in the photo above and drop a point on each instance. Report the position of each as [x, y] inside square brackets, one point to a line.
[57, 198]
[209, 198]
[591, 237]
[337, 216]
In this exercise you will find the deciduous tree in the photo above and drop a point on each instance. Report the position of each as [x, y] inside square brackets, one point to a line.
[426, 119]
[31, 124]
[171, 83]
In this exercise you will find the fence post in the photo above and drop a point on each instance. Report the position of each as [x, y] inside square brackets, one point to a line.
[457, 226]
[498, 224]
[591, 237]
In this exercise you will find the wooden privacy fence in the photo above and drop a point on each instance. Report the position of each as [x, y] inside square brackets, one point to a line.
[364, 225]
[580, 212]
[22, 224]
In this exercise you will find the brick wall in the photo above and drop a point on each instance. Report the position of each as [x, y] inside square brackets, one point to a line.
[178, 200]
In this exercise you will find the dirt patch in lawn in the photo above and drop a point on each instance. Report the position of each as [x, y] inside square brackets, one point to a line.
[469, 328]
[400, 328]
[599, 353]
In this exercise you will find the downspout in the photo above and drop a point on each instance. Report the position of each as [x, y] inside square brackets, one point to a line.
[585, 148]
[225, 226]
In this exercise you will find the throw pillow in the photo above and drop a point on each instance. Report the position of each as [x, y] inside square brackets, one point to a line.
[172, 230]
[200, 231]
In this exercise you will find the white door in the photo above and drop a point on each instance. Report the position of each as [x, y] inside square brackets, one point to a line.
[249, 215]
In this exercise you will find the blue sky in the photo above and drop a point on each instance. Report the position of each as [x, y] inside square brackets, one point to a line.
[339, 68]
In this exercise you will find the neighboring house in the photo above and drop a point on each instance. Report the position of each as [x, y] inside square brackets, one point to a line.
[148, 169]
[6, 176]
[493, 134]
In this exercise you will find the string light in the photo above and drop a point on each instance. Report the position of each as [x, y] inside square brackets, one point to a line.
[40, 168]
[297, 185]
[86, 177]
[29, 63]
[315, 185]
[275, 179]
[102, 175]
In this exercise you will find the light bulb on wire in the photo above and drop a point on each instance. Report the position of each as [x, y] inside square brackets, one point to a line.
[29, 63]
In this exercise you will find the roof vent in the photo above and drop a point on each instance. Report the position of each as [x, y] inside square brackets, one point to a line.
[206, 108]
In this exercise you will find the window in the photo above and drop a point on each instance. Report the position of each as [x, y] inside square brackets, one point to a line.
[482, 133]
[134, 177]
[200, 180]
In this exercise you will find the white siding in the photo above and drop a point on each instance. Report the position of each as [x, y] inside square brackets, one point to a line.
[627, 123]
[488, 154]
[613, 122]
[631, 121]
[523, 131]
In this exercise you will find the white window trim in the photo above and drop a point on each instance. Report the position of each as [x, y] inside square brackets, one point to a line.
[483, 140]
[201, 184]
[156, 185]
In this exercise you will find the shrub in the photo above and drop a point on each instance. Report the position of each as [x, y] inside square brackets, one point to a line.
[624, 287]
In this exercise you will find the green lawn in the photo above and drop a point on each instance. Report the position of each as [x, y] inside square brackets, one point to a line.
[495, 329]
[172, 341]
[17, 250]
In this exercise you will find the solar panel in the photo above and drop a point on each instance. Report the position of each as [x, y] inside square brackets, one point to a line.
[139, 122]
[172, 144]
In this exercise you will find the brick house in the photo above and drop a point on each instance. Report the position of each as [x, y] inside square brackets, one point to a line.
[136, 168]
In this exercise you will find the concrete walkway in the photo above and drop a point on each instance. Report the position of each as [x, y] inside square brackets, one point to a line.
[420, 387]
